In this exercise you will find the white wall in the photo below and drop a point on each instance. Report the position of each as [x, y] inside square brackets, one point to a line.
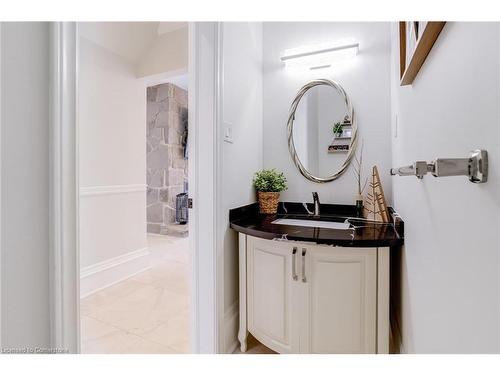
[112, 116]
[450, 262]
[112, 141]
[242, 110]
[129, 40]
[114, 59]
[25, 185]
[153, 47]
[366, 80]
[168, 53]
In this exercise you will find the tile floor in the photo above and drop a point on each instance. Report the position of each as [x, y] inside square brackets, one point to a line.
[148, 313]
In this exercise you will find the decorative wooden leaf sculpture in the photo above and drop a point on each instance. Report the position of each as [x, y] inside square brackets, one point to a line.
[375, 206]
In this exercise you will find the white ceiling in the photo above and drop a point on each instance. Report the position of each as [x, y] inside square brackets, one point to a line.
[129, 40]
[180, 80]
[166, 27]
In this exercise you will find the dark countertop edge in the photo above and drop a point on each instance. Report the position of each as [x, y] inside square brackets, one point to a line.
[326, 241]
[242, 213]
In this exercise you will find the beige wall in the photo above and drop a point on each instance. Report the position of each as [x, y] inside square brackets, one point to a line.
[112, 153]
[168, 53]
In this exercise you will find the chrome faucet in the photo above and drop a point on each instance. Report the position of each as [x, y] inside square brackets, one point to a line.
[316, 204]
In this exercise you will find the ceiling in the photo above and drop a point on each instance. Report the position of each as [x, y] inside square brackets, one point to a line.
[127, 39]
[166, 27]
[180, 80]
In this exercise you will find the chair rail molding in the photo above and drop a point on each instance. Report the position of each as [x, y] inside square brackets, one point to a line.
[63, 201]
[112, 189]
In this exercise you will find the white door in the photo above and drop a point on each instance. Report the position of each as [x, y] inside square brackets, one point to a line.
[340, 300]
[271, 290]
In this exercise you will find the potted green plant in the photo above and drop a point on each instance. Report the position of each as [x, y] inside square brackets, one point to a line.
[269, 183]
[337, 129]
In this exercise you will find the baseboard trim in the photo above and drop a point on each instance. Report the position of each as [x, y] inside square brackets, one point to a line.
[111, 189]
[111, 271]
[231, 326]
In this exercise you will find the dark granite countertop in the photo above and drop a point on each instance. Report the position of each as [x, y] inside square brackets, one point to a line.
[246, 219]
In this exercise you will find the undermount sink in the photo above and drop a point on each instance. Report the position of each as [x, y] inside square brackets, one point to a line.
[313, 223]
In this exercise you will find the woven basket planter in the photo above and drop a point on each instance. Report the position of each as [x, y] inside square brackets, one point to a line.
[268, 202]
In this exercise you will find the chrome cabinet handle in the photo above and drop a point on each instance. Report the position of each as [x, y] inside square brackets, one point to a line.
[294, 272]
[304, 265]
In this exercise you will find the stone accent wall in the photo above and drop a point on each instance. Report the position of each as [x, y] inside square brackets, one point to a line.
[166, 165]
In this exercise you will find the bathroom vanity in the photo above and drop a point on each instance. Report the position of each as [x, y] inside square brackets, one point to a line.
[317, 285]
[314, 278]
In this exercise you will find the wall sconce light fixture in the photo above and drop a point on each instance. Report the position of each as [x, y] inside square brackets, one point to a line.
[320, 56]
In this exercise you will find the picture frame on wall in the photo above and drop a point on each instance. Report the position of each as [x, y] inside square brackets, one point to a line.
[416, 39]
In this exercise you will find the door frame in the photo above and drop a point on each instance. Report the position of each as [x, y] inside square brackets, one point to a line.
[1, 212]
[204, 171]
[63, 201]
[204, 147]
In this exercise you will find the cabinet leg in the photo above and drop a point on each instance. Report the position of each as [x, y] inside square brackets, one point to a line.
[242, 336]
[383, 300]
[243, 332]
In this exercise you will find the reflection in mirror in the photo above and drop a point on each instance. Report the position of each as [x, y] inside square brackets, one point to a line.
[322, 133]
[318, 111]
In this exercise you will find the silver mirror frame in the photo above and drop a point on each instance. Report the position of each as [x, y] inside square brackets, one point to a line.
[354, 134]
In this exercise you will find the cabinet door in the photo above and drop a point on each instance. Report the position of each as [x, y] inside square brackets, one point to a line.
[340, 306]
[271, 296]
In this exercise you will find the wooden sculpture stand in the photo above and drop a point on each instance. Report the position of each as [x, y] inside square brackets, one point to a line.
[375, 205]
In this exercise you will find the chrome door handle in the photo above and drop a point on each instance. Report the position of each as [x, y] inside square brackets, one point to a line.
[294, 272]
[304, 265]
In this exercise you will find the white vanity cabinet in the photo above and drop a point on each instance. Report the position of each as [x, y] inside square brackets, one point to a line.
[339, 299]
[299, 297]
[272, 295]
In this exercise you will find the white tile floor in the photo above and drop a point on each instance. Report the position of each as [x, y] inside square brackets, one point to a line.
[148, 313]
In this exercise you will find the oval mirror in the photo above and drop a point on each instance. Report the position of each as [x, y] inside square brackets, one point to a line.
[322, 131]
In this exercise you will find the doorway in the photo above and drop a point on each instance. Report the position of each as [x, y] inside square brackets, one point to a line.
[207, 291]
[134, 252]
